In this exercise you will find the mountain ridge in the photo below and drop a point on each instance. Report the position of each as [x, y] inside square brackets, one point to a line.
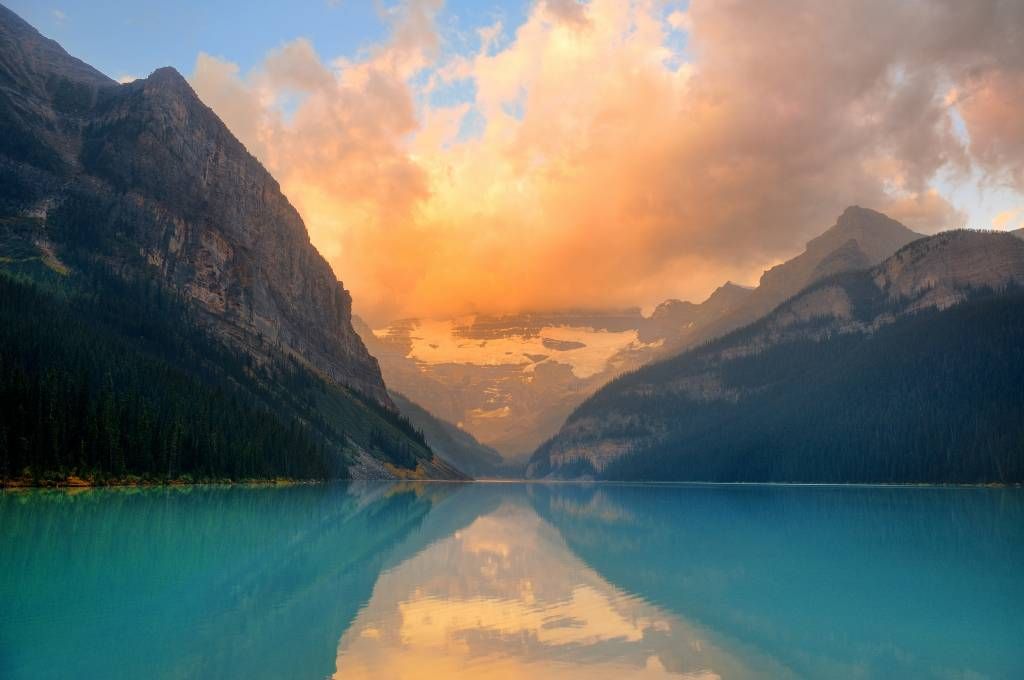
[838, 314]
[167, 186]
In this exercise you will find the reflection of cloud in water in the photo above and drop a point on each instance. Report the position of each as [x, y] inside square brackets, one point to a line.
[505, 598]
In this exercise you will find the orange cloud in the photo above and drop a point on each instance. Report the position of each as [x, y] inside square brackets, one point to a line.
[1008, 219]
[609, 168]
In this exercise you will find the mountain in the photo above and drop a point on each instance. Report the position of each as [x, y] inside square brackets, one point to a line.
[454, 445]
[512, 380]
[146, 175]
[142, 182]
[509, 380]
[909, 371]
[860, 238]
[679, 321]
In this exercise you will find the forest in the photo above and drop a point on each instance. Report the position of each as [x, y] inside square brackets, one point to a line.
[934, 397]
[109, 378]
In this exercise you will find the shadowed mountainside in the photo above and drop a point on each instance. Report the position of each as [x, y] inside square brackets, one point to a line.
[907, 372]
[140, 190]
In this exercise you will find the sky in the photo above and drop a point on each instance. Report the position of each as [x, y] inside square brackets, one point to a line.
[471, 156]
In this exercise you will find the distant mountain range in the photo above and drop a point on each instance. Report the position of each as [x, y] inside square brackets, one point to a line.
[511, 381]
[106, 185]
[907, 371]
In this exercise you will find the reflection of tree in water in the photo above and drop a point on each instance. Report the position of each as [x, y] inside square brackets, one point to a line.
[216, 582]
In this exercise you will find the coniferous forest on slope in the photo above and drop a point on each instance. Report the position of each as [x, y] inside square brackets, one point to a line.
[934, 397]
[107, 378]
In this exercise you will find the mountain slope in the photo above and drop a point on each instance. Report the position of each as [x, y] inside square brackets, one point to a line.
[142, 183]
[105, 378]
[908, 372]
[147, 177]
[860, 238]
[677, 321]
[456, 446]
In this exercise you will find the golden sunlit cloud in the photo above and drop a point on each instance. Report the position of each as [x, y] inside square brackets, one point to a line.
[614, 153]
[1009, 219]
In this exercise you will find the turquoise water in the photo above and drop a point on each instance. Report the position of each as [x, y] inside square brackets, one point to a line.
[382, 580]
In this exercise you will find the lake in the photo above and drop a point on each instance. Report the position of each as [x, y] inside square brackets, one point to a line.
[435, 580]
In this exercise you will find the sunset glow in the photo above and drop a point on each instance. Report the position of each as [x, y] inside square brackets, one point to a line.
[613, 153]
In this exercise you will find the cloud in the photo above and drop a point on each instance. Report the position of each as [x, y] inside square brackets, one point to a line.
[570, 12]
[1006, 219]
[59, 15]
[600, 168]
[993, 111]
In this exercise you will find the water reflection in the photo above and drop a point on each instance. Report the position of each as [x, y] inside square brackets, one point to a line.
[506, 598]
[200, 582]
[509, 581]
[829, 582]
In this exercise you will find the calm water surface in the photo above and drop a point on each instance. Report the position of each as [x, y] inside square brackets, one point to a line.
[509, 580]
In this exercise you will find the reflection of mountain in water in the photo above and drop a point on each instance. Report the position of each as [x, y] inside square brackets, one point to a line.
[504, 597]
[235, 582]
[830, 582]
[511, 580]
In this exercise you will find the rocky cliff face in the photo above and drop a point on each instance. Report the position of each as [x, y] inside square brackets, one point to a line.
[934, 273]
[943, 270]
[145, 176]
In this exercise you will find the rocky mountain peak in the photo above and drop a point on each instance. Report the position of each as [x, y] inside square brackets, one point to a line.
[877, 234]
[30, 59]
[147, 177]
[168, 76]
[674, 310]
[727, 296]
[874, 234]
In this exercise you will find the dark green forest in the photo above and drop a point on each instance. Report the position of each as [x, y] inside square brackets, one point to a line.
[935, 397]
[106, 377]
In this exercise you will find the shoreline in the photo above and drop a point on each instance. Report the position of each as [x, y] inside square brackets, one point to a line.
[74, 482]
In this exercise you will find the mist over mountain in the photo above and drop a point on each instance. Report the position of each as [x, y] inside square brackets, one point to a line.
[509, 380]
[512, 380]
[909, 371]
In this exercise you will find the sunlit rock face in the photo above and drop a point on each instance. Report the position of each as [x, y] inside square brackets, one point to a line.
[505, 597]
